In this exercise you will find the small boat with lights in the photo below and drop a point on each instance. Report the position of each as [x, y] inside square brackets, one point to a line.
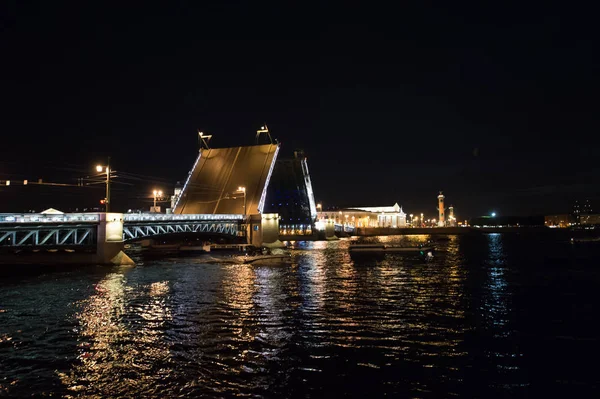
[189, 249]
[261, 260]
[266, 256]
[425, 251]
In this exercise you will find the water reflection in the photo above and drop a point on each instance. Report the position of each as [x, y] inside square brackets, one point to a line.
[327, 326]
[495, 304]
[312, 276]
[119, 331]
[502, 346]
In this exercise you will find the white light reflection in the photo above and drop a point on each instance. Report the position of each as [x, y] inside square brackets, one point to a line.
[495, 304]
[503, 350]
[312, 276]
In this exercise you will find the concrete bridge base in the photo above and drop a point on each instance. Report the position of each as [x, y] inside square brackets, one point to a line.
[263, 230]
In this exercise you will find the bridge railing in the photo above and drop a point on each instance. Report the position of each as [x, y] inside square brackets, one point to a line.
[49, 218]
[88, 217]
[157, 217]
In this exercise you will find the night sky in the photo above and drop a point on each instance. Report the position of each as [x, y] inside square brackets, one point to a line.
[495, 104]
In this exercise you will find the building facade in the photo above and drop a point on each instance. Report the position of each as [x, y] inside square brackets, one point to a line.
[559, 221]
[377, 216]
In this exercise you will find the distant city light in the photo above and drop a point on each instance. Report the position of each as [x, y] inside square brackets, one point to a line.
[493, 214]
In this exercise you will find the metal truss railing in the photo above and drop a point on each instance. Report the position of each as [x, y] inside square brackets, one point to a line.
[46, 236]
[64, 230]
[132, 232]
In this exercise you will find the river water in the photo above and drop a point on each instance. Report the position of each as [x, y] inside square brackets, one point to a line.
[492, 315]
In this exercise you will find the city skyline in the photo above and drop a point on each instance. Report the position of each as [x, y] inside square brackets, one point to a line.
[476, 102]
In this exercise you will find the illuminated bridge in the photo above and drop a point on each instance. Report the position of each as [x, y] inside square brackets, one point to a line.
[227, 192]
[71, 230]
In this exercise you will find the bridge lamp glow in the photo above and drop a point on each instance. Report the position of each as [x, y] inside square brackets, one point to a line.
[242, 189]
[107, 169]
[157, 194]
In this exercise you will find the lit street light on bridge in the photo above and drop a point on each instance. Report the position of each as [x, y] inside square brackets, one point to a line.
[242, 189]
[102, 168]
[157, 194]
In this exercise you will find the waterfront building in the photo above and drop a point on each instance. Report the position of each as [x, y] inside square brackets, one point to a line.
[591, 219]
[368, 216]
[559, 221]
[587, 208]
[576, 209]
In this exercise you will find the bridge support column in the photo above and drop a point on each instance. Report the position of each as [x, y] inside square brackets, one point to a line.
[330, 229]
[264, 230]
[109, 242]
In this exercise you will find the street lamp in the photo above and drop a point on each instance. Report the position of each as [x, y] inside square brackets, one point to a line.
[412, 221]
[101, 168]
[243, 190]
[157, 194]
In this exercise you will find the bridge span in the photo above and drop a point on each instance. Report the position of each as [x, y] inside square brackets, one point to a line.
[101, 236]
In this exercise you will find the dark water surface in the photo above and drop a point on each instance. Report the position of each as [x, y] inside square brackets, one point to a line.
[496, 315]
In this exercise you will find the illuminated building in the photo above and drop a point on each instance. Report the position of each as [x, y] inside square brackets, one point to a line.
[576, 209]
[374, 216]
[591, 219]
[559, 221]
[587, 208]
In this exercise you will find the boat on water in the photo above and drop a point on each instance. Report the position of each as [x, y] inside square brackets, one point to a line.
[270, 259]
[423, 251]
[585, 239]
[194, 249]
[265, 256]
[177, 249]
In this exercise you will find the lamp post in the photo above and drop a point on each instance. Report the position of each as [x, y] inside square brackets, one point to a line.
[100, 168]
[243, 190]
[412, 220]
[422, 220]
[157, 193]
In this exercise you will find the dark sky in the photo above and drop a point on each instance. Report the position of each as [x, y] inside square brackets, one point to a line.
[495, 104]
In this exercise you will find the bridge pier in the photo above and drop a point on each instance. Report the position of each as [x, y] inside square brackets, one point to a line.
[263, 230]
[109, 240]
[330, 230]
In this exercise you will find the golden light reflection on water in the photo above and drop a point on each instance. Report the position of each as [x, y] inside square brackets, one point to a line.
[238, 290]
[111, 343]
[256, 295]
[419, 302]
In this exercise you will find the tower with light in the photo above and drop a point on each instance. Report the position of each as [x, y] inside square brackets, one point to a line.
[441, 222]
